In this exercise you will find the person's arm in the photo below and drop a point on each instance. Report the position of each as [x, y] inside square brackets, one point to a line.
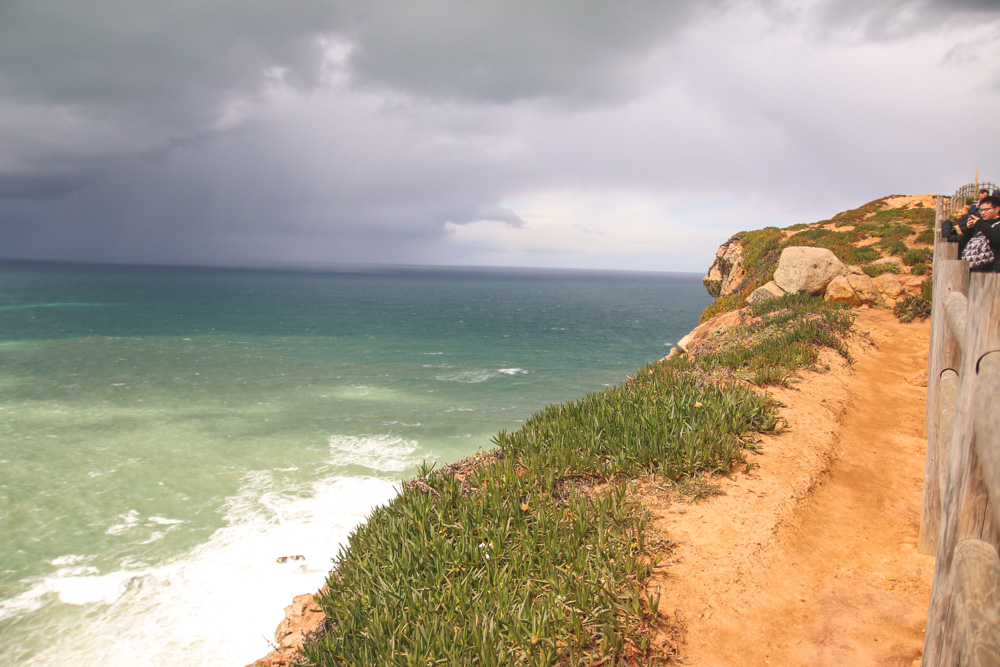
[948, 229]
[958, 232]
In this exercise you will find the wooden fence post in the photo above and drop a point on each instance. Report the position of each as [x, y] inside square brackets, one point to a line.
[950, 275]
[975, 606]
[966, 511]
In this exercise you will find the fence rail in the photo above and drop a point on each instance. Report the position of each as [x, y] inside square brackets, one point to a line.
[960, 521]
[961, 198]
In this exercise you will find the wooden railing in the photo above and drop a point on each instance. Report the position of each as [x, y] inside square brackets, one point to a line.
[960, 523]
[961, 198]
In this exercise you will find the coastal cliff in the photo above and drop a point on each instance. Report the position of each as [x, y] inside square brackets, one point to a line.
[869, 248]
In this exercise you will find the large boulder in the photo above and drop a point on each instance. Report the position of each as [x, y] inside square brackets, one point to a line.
[804, 269]
[840, 291]
[863, 287]
[726, 273]
[765, 293]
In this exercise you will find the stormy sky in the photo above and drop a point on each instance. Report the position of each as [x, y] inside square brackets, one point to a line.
[629, 134]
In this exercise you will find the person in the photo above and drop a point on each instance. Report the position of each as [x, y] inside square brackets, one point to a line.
[963, 229]
[974, 208]
[989, 225]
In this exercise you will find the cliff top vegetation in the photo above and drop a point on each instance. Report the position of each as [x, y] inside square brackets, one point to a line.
[895, 226]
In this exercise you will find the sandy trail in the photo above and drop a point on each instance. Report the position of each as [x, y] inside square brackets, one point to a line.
[810, 558]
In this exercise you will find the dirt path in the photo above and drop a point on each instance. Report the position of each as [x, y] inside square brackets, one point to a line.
[810, 558]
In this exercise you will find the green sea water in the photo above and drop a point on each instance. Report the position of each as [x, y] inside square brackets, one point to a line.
[167, 435]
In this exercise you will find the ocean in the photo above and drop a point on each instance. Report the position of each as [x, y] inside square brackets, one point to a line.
[168, 435]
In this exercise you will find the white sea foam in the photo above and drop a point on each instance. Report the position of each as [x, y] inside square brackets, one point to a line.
[466, 377]
[132, 519]
[475, 377]
[383, 452]
[217, 604]
[129, 521]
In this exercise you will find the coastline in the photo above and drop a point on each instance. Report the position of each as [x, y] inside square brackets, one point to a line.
[735, 551]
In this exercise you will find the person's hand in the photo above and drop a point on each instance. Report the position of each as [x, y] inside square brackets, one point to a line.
[973, 219]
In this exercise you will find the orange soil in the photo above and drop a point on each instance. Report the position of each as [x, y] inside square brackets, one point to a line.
[810, 558]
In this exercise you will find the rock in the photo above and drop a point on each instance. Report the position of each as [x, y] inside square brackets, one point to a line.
[840, 291]
[726, 272]
[765, 293]
[912, 285]
[706, 329]
[888, 285]
[919, 379]
[803, 269]
[304, 621]
[864, 288]
[857, 270]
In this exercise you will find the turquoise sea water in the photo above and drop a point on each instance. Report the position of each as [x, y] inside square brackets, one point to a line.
[166, 435]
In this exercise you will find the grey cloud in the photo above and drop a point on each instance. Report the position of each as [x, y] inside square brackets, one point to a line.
[497, 214]
[899, 19]
[115, 79]
[568, 51]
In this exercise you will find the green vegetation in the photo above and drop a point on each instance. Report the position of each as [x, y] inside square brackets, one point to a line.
[912, 308]
[917, 256]
[533, 553]
[786, 335]
[926, 236]
[875, 270]
[893, 246]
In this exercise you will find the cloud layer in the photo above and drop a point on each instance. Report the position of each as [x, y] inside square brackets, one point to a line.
[633, 134]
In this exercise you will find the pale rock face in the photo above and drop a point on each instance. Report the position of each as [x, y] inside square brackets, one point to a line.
[863, 287]
[727, 270]
[765, 293]
[855, 270]
[911, 285]
[803, 269]
[840, 291]
[889, 285]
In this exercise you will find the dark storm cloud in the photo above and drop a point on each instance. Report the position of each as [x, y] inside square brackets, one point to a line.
[86, 83]
[382, 131]
[575, 51]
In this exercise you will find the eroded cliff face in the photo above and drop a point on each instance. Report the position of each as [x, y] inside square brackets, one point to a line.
[727, 270]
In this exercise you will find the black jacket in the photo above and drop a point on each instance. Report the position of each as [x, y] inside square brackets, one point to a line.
[957, 231]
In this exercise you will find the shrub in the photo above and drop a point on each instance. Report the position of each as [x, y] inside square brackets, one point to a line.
[525, 558]
[912, 308]
[917, 256]
[874, 270]
[927, 288]
[920, 269]
[893, 246]
[926, 236]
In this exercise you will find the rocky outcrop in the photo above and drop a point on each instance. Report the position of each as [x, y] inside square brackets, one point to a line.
[811, 270]
[304, 621]
[765, 293]
[727, 270]
[803, 269]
